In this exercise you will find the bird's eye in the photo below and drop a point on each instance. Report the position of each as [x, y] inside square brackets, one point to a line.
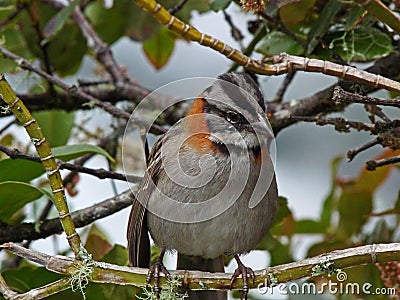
[233, 117]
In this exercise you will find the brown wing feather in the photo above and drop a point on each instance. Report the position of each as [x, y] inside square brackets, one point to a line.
[137, 234]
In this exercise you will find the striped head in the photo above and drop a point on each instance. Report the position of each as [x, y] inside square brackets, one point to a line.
[232, 112]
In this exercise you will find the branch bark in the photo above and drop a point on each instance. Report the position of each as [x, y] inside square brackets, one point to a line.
[328, 263]
[81, 218]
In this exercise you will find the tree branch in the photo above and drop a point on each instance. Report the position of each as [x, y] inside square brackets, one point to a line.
[81, 218]
[281, 64]
[340, 96]
[328, 263]
[99, 173]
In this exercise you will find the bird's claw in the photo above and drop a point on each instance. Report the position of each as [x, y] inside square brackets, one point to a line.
[154, 272]
[246, 273]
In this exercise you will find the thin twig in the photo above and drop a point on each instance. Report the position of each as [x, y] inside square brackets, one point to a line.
[373, 164]
[8, 125]
[284, 86]
[352, 153]
[20, 6]
[99, 173]
[376, 110]
[235, 31]
[340, 124]
[341, 96]
[102, 50]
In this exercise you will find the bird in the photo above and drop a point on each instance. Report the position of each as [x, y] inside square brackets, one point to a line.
[210, 188]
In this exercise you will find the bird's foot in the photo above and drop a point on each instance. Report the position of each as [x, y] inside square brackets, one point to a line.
[155, 271]
[246, 273]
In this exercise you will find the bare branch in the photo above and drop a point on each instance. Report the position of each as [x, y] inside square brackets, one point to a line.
[81, 218]
[99, 173]
[373, 164]
[340, 124]
[352, 153]
[340, 96]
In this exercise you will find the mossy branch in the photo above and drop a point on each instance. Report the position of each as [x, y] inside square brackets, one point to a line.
[43, 149]
[327, 263]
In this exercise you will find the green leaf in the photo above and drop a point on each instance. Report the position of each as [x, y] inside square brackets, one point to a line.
[327, 207]
[296, 12]
[56, 23]
[217, 5]
[56, 125]
[117, 255]
[282, 211]
[280, 254]
[69, 41]
[158, 48]
[14, 195]
[309, 227]
[26, 278]
[111, 23]
[362, 44]
[185, 13]
[321, 26]
[277, 42]
[353, 17]
[354, 207]
[13, 40]
[68, 152]
[19, 170]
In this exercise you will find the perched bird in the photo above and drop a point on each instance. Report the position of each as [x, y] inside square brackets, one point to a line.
[210, 188]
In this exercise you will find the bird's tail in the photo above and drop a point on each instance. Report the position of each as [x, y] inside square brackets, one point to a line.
[186, 262]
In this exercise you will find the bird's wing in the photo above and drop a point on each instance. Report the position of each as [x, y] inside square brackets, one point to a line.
[137, 234]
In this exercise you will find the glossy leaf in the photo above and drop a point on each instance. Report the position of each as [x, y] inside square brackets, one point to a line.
[276, 42]
[363, 44]
[158, 48]
[69, 152]
[19, 170]
[110, 23]
[56, 23]
[14, 195]
[56, 125]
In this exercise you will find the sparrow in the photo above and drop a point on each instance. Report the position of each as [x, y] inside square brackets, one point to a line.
[210, 188]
